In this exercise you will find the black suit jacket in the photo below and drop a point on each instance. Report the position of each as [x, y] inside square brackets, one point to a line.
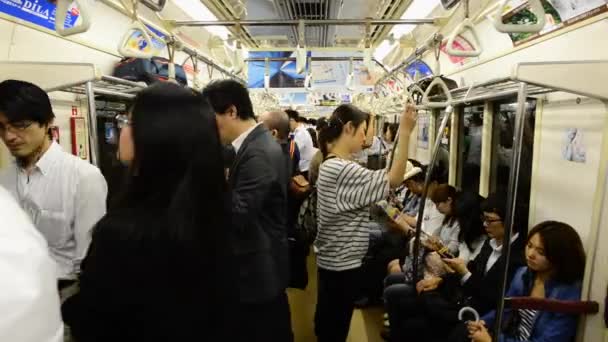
[482, 287]
[258, 181]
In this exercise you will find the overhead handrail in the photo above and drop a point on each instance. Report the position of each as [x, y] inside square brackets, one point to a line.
[267, 73]
[61, 14]
[156, 7]
[437, 81]
[536, 7]
[136, 26]
[466, 96]
[467, 24]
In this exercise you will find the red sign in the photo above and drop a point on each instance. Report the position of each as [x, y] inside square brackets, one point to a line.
[74, 111]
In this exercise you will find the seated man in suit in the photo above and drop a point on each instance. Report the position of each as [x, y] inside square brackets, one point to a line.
[258, 183]
[475, 284]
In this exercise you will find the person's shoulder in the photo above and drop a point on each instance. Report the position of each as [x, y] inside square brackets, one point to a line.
[16, 226]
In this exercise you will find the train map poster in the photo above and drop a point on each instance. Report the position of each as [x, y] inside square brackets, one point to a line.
[38, 12]
[559, 14]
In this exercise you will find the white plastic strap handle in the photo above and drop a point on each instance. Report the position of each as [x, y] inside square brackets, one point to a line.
[61, 14]
[467, 24]
[300, 60]
[136, 53]
[425, 98]
[469, 310]
[536, 7]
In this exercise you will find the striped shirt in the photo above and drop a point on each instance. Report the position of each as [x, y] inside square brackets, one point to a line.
[526, 323]
[345, 192]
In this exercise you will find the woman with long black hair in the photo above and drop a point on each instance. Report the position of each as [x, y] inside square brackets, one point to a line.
[157, 268]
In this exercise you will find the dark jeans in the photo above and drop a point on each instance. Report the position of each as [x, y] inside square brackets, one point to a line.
[383, 249]
[268, 321]
[336, 293]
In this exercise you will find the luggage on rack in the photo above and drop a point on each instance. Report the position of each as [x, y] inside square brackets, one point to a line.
[152, 70]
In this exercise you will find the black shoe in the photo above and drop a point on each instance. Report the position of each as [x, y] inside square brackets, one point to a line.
[386, 334]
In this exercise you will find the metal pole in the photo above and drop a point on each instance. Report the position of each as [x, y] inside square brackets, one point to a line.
[316, 22]
[511, 200]
[92, 122]
[427, 181]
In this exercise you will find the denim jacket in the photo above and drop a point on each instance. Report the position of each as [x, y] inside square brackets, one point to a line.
[548, 326]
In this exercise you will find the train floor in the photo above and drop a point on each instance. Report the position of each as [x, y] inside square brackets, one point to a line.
[365, 326]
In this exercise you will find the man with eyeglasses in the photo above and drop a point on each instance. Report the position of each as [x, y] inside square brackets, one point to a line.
[64, 195]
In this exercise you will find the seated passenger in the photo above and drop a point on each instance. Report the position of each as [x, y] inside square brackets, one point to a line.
[345, 193]
[474, 284]
[158, 268]
[555, 267]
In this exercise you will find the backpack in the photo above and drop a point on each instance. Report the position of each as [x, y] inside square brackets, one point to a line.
[151, 70]
[306, 226]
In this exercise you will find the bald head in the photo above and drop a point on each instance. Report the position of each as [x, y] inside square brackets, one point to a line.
[278, 121]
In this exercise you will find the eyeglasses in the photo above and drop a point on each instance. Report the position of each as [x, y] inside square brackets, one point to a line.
[489, 220]
[123, 121]
[15, 127]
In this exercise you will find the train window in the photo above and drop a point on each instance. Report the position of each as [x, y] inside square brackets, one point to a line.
[469, 161]
[443, 156]
[502, 151]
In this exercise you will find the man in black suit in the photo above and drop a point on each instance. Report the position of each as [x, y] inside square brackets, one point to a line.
[258, 180]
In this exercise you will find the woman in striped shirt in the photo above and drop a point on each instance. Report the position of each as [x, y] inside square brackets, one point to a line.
[345, 192]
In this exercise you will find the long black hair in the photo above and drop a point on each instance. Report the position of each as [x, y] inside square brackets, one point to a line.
[176, 190]
[341, 116]
[563, 248]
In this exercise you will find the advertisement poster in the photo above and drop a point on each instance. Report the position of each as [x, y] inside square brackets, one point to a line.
[559, 14]
[282, 73]
[418, 70]
[328, 99]
[332, 74]
[573, 146]
[37, 12]
[289, 99]
[137, 41]
[460, 44]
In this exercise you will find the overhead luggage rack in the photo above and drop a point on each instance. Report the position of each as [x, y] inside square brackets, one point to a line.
[495, 89]
[576, 77]
[108, 86]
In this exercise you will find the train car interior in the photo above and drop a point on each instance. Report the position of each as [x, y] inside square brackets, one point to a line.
[496, 107]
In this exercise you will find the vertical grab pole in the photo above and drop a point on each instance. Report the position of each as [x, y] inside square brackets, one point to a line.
[92, 122]
[427, 180]
[511, 201]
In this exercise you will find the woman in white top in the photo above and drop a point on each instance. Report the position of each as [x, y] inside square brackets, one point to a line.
[345, 192]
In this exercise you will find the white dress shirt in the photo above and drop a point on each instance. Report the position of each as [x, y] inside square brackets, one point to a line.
[29, 300]
[238, 142]
[65, 197]
[305, 145]
[496, 253]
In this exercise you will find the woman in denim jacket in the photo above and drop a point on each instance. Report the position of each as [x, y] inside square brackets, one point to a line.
[556, 264]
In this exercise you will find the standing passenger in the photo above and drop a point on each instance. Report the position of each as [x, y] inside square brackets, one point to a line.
[64, 195]
[158, 266]
[29, 301]
[303, 139]
[258, 181]
[345, 192]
